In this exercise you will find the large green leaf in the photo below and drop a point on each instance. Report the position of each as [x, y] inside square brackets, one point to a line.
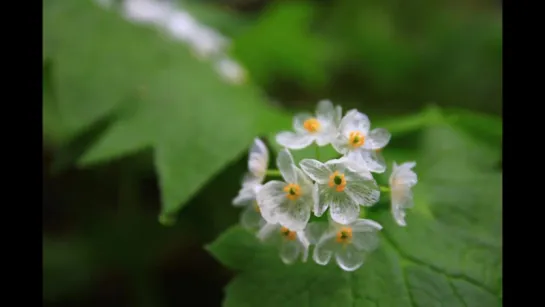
[449, 254]
[171, 102]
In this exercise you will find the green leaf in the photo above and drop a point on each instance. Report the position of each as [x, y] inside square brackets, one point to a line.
[194, 121]
[448, 254]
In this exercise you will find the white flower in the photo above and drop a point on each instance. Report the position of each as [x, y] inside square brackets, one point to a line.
[230, 70]
[402, 179]
[258, 161]
[250, 217]
[206, 42]
[358, 144]
[181, 25]
[349, 243]
[288, 203]
[146, 11]
[341, 189]
[290, 243]
[321, 128]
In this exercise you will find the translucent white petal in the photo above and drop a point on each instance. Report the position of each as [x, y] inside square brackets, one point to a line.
[305, 243]
[338, 115]
[315, 231]
[378, 138]
[340, 143]
[316, 170]
[294, 140]
[325, 110]
[317, 209]
[401, 197]
[336, 165]
[349, 258]
[269, 198]
[404, 175]
[250, 179]
[267, 231]
[362, 191]
[289, 251]
[250, 218]
[294, 214]
[376, 162]
[258, 159]
[327, 196]
[354, 121]
[303, 180]
[365, 225]
[365, 241]
[398, 213]
[298, 121]
[245, 196]
[344, 212]
[408, 165]
[269, 215]
[364, 234]
[325, 137]
[284, 162]
[324, 249]
[355, 161]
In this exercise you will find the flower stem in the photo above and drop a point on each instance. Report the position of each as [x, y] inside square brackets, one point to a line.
[384, 189]
[273, 172]
[317, 152]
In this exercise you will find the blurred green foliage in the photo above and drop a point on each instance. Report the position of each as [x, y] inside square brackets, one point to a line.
[134, 125]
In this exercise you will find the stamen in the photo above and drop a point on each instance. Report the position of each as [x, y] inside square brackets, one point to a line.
[337, 181]
[312, 125]
[288, 234]
[356, 139]
[293, 191]
[344, 235]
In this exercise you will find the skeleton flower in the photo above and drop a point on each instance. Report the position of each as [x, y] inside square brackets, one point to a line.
[258, 161]
[349, 243]
[359, 145]
[288, 203]
[290, 243]
[402, 179]
[321, 128]
[341, 189]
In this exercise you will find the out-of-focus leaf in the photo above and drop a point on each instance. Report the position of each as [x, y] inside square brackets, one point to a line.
[195, 122]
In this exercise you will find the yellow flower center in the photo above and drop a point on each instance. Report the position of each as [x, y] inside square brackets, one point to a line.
[344, 235]
[288, 234]
[293, 191]
[337, 181]
[311, 125]
[356, 139]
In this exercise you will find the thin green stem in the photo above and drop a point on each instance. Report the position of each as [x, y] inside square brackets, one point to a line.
[317, 152]
[273, 172]
[384, 189]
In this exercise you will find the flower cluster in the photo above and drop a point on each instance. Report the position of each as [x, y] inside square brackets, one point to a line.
[281, 210]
